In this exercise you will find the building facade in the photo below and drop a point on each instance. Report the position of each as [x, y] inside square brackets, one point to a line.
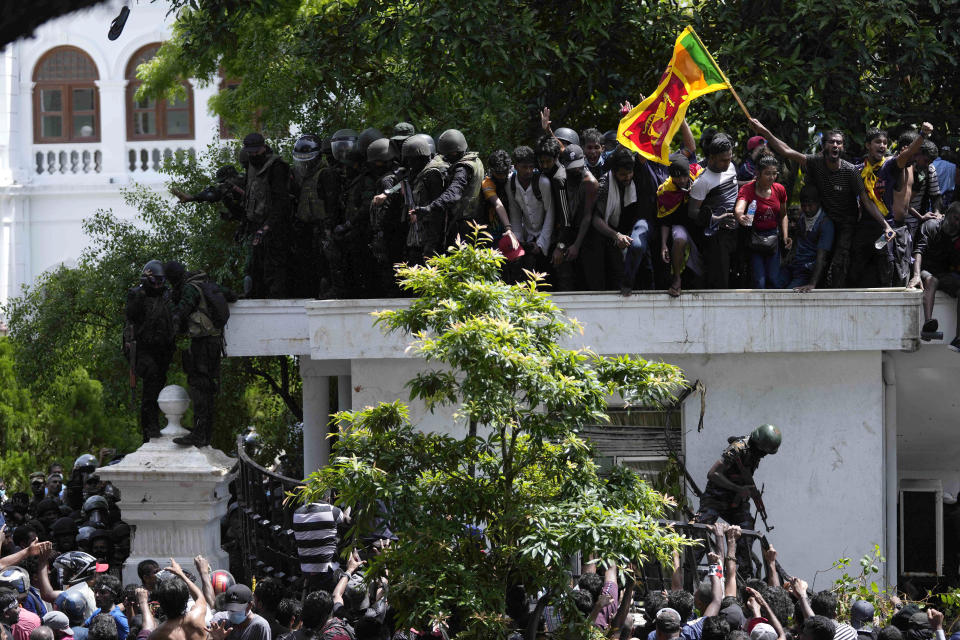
[72, 134]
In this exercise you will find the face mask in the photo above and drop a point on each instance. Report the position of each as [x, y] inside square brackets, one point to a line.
[237, 617]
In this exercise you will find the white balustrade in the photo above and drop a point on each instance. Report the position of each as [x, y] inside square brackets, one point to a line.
[67, 159]
[149, 158]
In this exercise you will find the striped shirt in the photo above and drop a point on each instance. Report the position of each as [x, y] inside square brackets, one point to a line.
[315, 529]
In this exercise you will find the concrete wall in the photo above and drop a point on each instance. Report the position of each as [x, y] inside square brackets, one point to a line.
[824, 488]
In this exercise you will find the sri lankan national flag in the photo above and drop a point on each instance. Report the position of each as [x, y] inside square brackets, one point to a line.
[650, 126]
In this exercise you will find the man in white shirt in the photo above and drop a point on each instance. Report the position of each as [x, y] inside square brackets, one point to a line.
[530, 203]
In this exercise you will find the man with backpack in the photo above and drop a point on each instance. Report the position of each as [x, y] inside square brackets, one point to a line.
[200, 311]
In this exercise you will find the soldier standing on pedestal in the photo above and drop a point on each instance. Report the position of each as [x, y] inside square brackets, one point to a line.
[148, 342]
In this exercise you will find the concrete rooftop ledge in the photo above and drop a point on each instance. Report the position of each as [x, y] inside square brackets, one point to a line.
[698, 322]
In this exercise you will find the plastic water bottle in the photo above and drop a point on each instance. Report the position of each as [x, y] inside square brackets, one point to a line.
[881, 242]
[751, 210]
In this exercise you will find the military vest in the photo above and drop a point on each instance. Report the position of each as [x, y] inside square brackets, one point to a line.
[156, 330]
[257, 194]
[437, 165]
[199, 324]
[310, 206]
[467, 207]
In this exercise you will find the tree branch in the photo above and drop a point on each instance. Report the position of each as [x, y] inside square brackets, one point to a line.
[284, 394]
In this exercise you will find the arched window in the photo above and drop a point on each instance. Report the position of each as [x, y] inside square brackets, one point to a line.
[66, 103]
[152, 119]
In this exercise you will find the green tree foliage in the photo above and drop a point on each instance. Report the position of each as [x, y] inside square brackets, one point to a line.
[488, 66]
[69, 420]
[522, 474]
[67, 327]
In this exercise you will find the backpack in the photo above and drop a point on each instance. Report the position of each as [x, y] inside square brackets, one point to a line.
[216, 302]
[536, 186]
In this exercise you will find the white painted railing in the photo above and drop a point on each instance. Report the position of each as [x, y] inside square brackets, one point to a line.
[149, 157]
[67, 159]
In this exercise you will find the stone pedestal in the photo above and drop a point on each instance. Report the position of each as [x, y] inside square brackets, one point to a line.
[173, 496]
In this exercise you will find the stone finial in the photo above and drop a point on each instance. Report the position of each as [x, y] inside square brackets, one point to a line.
[173, 401]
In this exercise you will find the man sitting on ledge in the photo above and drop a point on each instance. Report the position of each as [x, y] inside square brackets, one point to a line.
[937, 265]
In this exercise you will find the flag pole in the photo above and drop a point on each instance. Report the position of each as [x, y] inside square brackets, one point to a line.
[729, 84]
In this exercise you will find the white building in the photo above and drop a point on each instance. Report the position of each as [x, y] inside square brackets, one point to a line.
[72, 135]
[867, 413]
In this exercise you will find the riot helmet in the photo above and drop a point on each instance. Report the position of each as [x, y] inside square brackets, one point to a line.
[452, 145]
[151, 276]
[342, 144]
[567, 136]
[610, 140]
[379, 151]
[766, 438]
[415, 153]
[306, 148]
[95, 510]
[367, 136]
[74, 566]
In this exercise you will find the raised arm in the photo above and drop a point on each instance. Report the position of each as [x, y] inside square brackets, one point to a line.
[36, 548]
[780, 147]
[770, 561]
[730, 561]
[203, 569]
[716, 589]
[199, 610]
[46, 591]
[689, 143]
[149, 623]
[768, 612]
[905, 156]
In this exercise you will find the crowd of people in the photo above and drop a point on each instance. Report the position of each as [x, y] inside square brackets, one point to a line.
[60, 579]
[592, 215]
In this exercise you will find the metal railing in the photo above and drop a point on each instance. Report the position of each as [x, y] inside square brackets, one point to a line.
[267, 545]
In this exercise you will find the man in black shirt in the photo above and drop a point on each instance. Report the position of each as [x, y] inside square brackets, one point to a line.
[937, 265]
[840, 185]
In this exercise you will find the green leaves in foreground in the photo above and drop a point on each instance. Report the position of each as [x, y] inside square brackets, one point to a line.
[509, 503]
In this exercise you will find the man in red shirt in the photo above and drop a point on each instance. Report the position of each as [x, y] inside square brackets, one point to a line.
[21, 621]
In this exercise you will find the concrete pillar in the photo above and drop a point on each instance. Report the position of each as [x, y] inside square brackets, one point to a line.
[172, 496]
[113, 129]
[316, 416]
[891, 483]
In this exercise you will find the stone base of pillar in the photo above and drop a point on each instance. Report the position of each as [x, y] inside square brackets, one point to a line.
[172, 496]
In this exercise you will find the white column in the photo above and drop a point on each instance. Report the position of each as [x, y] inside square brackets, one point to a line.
[173, 496]
[344, 393]
[316, 416]
[113, 129]
[890, 472]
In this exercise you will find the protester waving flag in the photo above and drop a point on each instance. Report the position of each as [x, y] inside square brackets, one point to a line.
[692, 72]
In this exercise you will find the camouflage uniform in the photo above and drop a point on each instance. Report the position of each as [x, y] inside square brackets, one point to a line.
[718, 502]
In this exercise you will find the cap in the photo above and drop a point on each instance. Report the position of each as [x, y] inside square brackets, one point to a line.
[679, 165]
[572, 157]
[755, 142]
[860, 612]
[919, 621]
[58, 621]
[734, 616]
[37, 475]
[668, 620]
[101, 567]
[253, 142]
[763, 631]
[237, 597]
[510, 254]
[55, 476]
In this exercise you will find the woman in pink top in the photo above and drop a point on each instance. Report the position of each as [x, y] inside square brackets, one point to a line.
[762, 207]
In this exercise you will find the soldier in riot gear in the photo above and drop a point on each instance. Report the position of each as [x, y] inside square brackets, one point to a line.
[387, 217]
[335, 181]
[357, 231]
[451, 212]
[226, 190]
[194, 317]
[310, 220]
[148, 342]
[730, 484]
[401, 131]
[266, 203]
